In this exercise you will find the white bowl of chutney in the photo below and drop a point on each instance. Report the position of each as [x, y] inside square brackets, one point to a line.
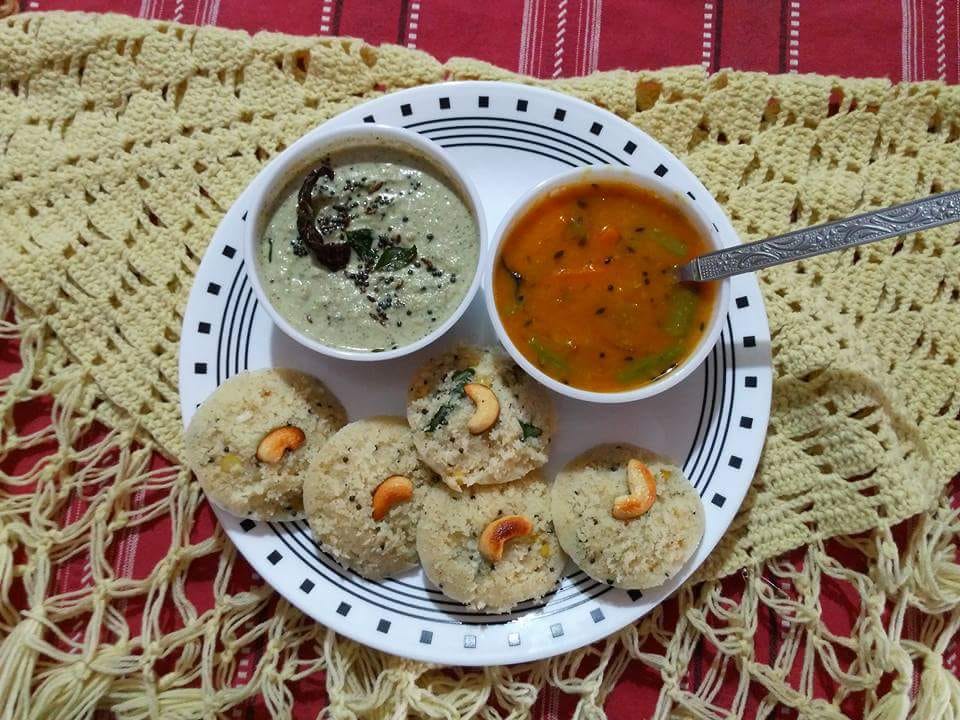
[365, 243]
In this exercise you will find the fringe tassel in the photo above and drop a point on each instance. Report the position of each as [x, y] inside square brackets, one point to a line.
[18, 661]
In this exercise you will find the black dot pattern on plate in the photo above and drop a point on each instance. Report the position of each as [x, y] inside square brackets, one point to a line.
[229, 251]
[742, 302]
[513, 639]
[274, 557]
[661, 170]
[735, 462]
[203, 328]
[746, 422]
[596, 129]
[383, 626]
[690, 195]
[213, 289]
[200, 368]
[749, 341]
[307, 586]
[715, 227]
[406, 110]
[710, 462]
[244, 216]
[247, 524]
[369, 119]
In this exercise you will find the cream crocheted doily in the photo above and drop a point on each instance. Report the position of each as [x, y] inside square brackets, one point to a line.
[122, 142]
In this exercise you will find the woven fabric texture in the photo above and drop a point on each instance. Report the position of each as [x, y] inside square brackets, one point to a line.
[123, 142]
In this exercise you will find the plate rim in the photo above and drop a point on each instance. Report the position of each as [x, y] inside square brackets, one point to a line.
[491, 655]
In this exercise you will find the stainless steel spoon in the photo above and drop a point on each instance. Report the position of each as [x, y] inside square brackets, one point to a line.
[928, 212]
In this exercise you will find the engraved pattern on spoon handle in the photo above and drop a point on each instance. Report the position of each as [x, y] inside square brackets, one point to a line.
[916, 215]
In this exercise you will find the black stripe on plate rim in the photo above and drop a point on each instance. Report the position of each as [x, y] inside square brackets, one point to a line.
[569, 586]
[733, 392]
[241, 341]
[720, 358]
[320, 571]
[493, 620]
[302, 533]
[233, 319]
[615, 160]
[428, 132]
[223, 321]
[711, 367]
[468, 136]
[246, 351]
[465, 616]
[575, 579]
[703, 406]
[302, 528]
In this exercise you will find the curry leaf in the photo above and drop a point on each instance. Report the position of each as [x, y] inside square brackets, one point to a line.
[396, 257]
[460, 379]
[440, 417]
[530, 431]
[362, 243]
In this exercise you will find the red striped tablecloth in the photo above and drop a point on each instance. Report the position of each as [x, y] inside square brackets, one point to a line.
[904, 40]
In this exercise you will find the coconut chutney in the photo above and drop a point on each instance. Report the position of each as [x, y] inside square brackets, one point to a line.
[413, 246]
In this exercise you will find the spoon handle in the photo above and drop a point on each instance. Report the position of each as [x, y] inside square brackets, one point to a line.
[928, 212]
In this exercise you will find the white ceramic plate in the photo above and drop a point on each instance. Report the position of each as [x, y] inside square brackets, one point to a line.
[507, 138]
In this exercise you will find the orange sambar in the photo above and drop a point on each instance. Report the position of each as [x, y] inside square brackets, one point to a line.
[585, 286]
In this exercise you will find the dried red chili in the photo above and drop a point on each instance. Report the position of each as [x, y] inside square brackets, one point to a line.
[334, 256]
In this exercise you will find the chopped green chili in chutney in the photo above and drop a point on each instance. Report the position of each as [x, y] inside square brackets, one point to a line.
[585, 286]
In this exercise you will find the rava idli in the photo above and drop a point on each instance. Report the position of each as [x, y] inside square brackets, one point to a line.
[491, 546]
[626, 516]
[478, 419]
[363, 495]
[251, 441]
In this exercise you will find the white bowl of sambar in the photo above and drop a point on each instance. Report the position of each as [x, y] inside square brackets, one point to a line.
[582, 289]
